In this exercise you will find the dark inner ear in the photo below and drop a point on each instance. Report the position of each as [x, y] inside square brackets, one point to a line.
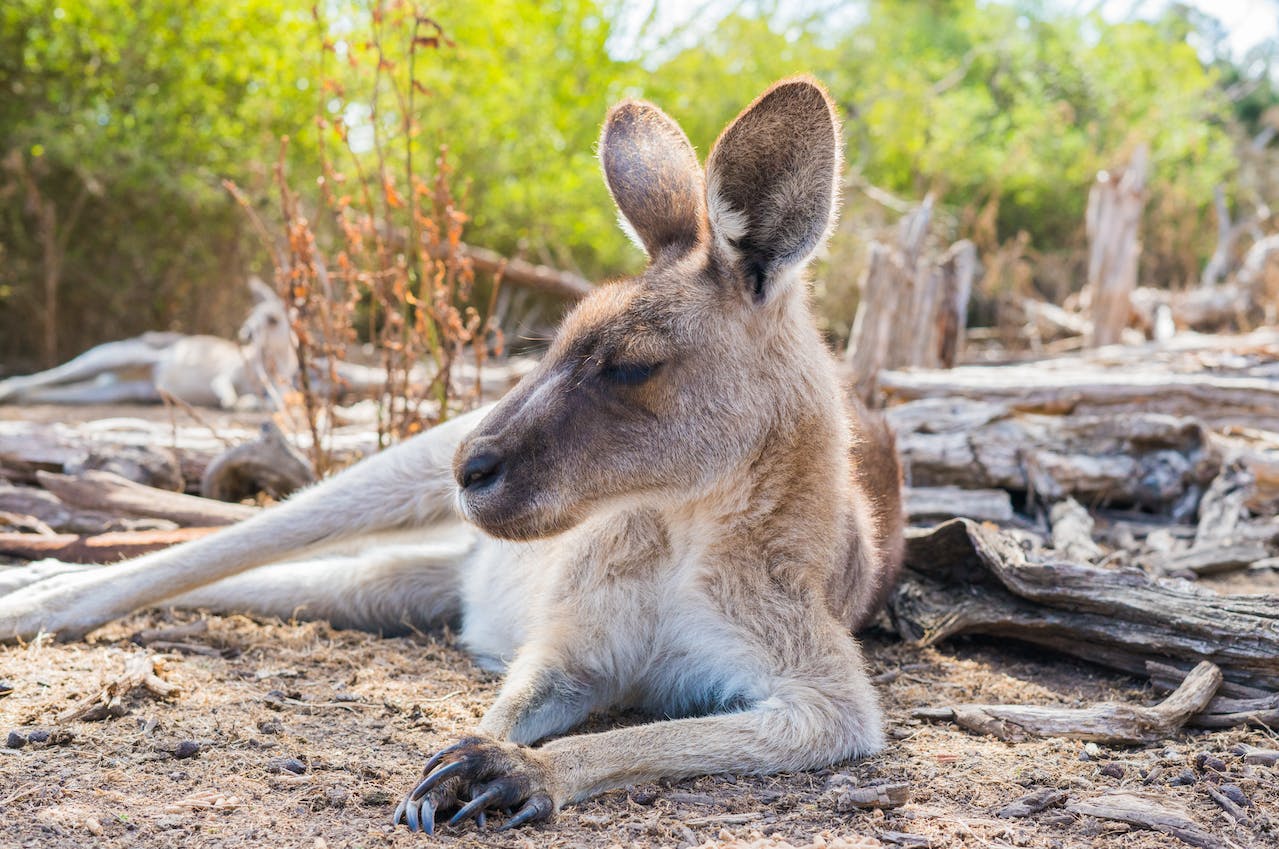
[772, 177]
[652, 173]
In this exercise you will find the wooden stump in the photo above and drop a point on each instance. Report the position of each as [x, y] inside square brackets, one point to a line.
[1113, 221]
[913, 309]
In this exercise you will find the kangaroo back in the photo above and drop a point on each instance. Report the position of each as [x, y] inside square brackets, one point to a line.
[875, 552]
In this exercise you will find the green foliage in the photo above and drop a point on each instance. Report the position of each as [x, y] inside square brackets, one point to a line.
[133, 112]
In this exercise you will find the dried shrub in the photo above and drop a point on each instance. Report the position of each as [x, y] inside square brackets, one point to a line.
[383, 261]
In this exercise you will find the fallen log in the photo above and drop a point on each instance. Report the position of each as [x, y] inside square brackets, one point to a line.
[1158, 463]
[933, 503]
[1149, 811]
[1111, 723]
[1215, 559]
[267, 464]
[1057, 388]
[100, 548]
[106, 492]
[962, 578]
[541, 278]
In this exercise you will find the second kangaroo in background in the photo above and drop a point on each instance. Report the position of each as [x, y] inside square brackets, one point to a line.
[678, 510]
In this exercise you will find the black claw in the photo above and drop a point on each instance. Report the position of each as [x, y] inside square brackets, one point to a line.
[476, 806]
[411, 816]
[436, 778]
[537, 808]
[442, 753]
[399, 811]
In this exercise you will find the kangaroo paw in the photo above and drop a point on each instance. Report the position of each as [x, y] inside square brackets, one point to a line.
[489, 775]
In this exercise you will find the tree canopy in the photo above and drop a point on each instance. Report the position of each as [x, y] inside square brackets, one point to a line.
[118, 122]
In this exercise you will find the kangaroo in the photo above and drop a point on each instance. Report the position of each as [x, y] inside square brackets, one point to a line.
[675, 511]
[198, 370]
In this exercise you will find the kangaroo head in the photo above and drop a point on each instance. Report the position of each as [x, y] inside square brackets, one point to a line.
[267, 333]
[659, 386]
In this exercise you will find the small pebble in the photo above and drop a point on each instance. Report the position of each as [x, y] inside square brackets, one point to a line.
[337, 796]
[643, 797]
[38, 736]
[1205, 761]
[186, 749]
[15, 740]
[275, 766]
[1113, 770]
[1091, 752]
[376, 798]
[1185, 777]
[271, 726]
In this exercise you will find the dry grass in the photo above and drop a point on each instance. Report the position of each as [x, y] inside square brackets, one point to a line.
[362, 713]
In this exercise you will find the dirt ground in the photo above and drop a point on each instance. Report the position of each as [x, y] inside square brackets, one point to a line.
[295, 734]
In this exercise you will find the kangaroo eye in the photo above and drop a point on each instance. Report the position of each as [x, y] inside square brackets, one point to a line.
[629, 374]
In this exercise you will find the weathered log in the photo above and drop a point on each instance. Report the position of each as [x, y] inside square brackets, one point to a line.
[1154, 462]
[100, 548]
[542, 278]
[1113, 224]
[268, 464]
[1214, 559]
[929, 504]
[111, 493]
[1149, 811]
[1086, 390]
[1112, 723]
[48, 510]
[962, 578]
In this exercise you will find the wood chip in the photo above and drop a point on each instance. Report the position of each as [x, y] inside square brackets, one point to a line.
[204, 800]
[1033, 803]
[1228, 805]
[848, 797]
[140, 672]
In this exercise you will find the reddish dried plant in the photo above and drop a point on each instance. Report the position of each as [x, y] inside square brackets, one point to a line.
[391, 265]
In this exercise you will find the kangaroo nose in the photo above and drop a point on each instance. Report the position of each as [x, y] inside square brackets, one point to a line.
[480, 470]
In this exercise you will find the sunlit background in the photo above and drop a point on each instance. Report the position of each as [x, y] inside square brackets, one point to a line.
[120, 120]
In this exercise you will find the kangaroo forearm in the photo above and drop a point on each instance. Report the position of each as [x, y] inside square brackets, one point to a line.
[758, 741]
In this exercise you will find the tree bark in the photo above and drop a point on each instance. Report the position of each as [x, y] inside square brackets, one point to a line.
[1113, 223]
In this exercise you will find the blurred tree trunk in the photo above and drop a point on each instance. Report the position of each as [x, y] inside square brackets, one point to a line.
[53, 239]
[1113, 223]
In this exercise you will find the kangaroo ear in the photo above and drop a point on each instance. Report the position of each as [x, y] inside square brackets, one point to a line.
[653, 175]
[772, 181]
[261, 291]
